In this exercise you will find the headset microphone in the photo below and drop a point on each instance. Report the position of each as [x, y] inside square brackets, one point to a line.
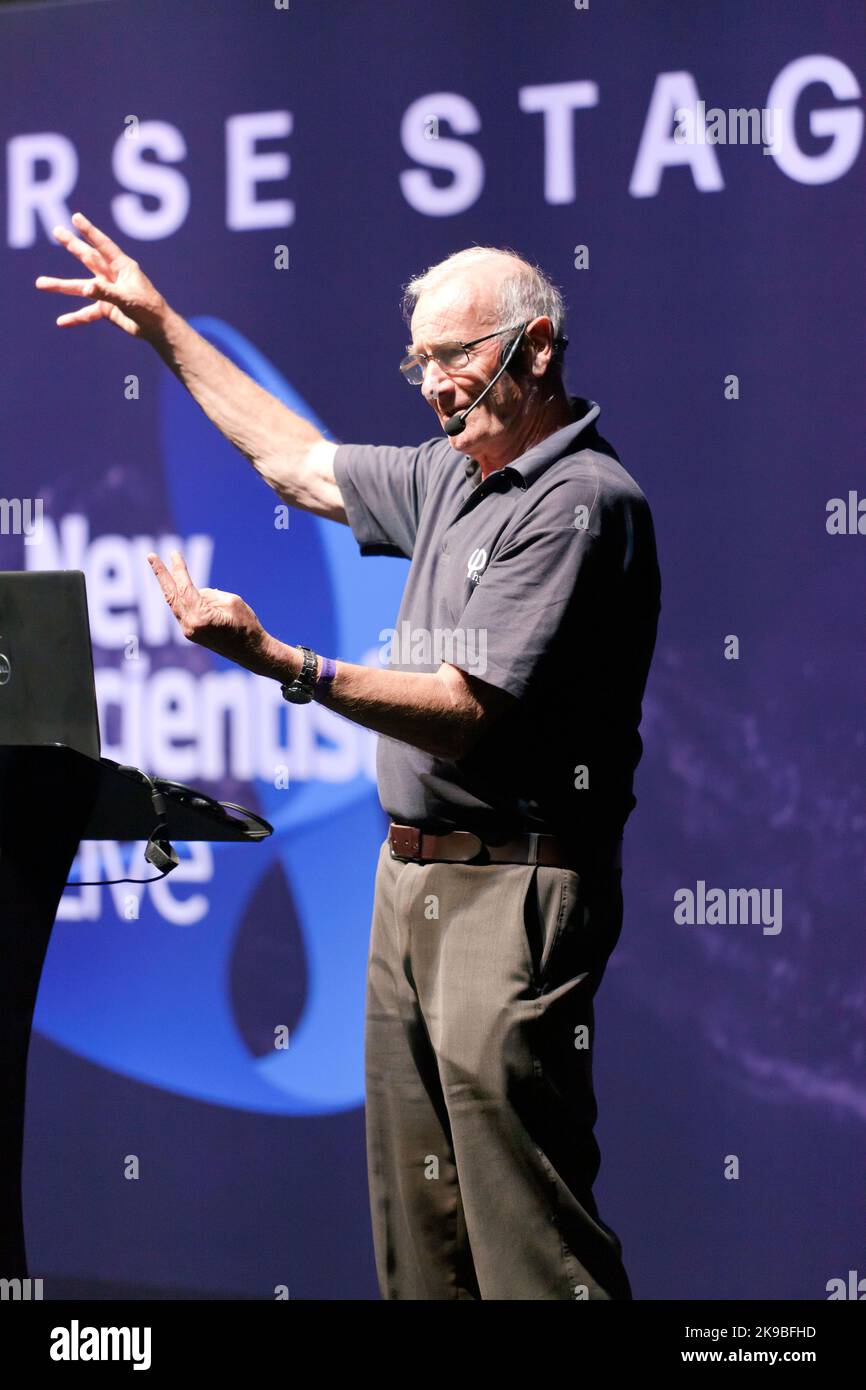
[457, 424]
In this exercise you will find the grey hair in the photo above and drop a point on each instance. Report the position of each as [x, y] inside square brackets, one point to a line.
[525, 292]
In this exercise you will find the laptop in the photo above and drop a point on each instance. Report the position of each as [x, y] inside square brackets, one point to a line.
[47, 690]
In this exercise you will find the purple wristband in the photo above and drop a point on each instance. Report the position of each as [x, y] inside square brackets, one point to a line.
[326, 675]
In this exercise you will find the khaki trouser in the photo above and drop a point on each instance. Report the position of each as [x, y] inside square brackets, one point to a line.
[480, 1106]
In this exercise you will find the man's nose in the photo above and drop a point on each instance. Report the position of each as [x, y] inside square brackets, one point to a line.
[435, 382]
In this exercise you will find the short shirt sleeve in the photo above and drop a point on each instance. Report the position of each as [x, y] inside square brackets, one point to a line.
[579, 567]
[384, 488]
[530, 604]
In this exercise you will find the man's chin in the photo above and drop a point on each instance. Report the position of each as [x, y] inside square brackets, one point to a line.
[472, 436]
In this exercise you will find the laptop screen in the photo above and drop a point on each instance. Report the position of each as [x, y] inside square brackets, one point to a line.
[47, 691]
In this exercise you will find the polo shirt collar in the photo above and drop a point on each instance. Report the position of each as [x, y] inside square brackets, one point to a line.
[540, 456]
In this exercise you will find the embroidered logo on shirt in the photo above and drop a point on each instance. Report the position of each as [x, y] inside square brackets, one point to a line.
[477, 562]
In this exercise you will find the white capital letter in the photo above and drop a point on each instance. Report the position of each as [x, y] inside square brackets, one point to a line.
[245, 168]
[557, 100]
[673, 94]
[29, 197]
[845, 126]
[144, 176]
[462, 160]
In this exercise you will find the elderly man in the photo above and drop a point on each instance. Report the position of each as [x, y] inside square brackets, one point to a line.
[506, 756]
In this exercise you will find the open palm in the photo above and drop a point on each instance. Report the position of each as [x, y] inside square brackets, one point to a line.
[214, 618]
[122, 292]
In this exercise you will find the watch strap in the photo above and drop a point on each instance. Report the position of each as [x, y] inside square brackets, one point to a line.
[301, 690]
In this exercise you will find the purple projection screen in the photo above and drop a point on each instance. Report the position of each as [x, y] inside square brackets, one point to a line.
[279, 173]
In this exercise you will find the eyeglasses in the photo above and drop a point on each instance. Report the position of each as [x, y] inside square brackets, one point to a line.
[451, 357]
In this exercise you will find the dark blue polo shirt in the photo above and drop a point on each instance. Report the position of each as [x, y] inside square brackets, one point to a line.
[541, 579]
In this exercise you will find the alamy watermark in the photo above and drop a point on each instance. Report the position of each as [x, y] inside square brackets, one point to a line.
[77, 1343]
[703, 906]
[422, 646]
[737, 126]
[20, 1290]
[21, 516]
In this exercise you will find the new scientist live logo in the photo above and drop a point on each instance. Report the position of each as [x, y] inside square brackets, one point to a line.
[138, 977]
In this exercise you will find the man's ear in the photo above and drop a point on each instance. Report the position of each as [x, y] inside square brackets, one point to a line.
[532, 347]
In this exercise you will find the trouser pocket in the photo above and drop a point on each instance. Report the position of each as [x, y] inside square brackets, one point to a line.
[545, 913]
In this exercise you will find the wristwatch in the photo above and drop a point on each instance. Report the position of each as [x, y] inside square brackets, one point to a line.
[300, 690]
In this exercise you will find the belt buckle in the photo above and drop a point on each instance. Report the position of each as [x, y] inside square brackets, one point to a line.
[404, 842]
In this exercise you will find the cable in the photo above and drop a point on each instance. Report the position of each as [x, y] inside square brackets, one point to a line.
[160, 853]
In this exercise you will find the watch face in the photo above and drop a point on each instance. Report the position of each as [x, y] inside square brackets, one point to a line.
[296, 694]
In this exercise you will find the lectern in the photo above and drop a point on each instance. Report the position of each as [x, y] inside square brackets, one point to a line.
[56, 791]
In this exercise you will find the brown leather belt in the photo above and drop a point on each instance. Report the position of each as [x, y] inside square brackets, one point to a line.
[462, 847]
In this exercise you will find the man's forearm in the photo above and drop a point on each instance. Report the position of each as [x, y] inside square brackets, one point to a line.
[274, 439]
[443, 713]
[433, 712]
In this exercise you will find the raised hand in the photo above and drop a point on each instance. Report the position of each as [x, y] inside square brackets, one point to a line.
[122, 291]
[216, 619]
